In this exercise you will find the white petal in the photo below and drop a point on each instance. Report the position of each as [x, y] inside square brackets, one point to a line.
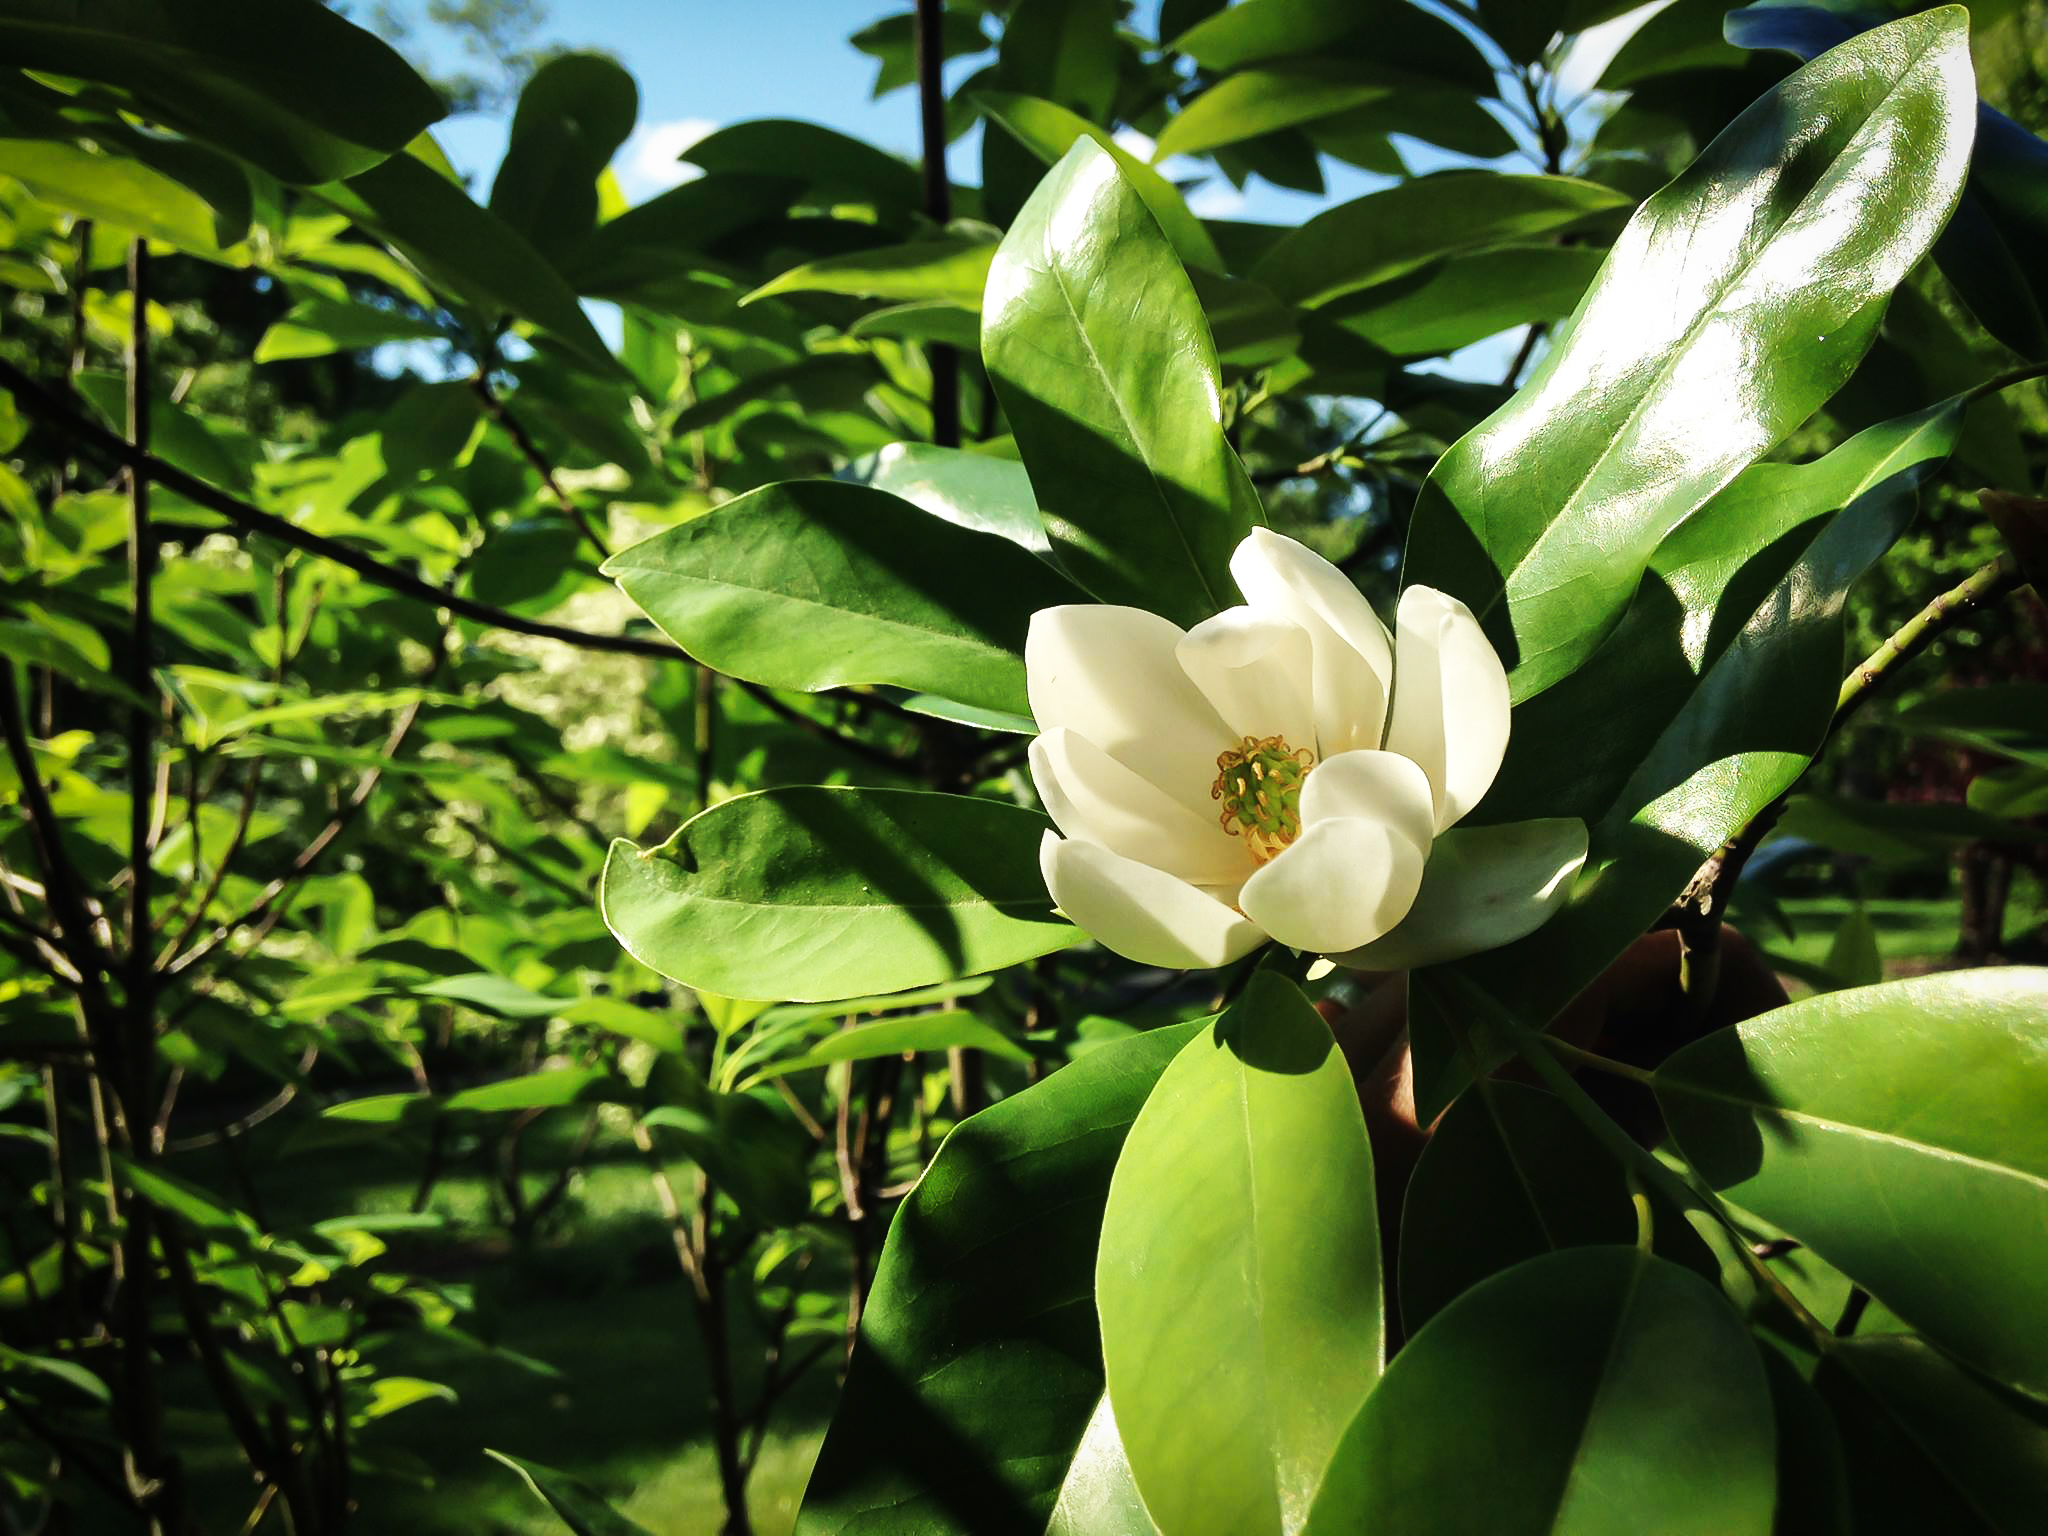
[1485, 887]
[1353, 659]
[1450, 700]
[1254, 667]
[1372, 786]
[1142, 913]
[1110, 674]
[1097, 799]
[1342, 884]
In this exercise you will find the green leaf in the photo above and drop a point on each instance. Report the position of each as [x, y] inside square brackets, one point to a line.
[1813, 1494]
[1777, 247]
[1239, 1273]
[322, 327]
[1901, 832]
[574, 1502]
[814, 894]
[1256, 101]
[953, 325]
[2010, 719]
[974, 490]
[286, 84]
[1099, 352]
[749, 1144]
[647, 251]
[894, 1037]
[949, 271]
[1100, 1497]
[892, 43]
[1853, 958]
[832, 167]
[572, 116]
[466, 249]
[1743, 602]
[492, 994]
[1469, 297]
[1508, 1175]
[814, 584]
[1049, 131]
[109, 189]
[1596, 1389]
[978, 1372]
[70, 1372]
[541, 1090]
[390, 1394]
[1393, 36]
[1898, 1132]
[1929, 1447]
[1379, 237]
[1065, 51]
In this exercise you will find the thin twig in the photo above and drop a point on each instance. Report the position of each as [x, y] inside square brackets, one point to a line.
[251, 519]
[530, 450]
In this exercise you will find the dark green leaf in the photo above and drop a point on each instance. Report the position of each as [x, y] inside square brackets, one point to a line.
[1929, 1447]
[950, 271]
[1596, 1389]
[286, 84]
[979, 1366]
[1508, 1175]
[1469, 297]
[321, 327]
[541, 1090]
[110, 189]
[1381, 236]
[572, 116]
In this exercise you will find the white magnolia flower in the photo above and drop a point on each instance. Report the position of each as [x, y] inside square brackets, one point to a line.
[1285, 770]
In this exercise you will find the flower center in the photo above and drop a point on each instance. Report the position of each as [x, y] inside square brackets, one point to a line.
[1259, 784]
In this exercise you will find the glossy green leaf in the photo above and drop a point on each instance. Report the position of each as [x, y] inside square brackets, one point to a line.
[579, 1507]
[1777, 247]
[572, 116]
[894, 1037]
[649, 251]
[1099, 352]
[1899, 1132]
[949, 271]
[1470, 297]
[974, 490]
[288, 85]
[124, 193]
[978, 1373]
[466, 249]
[1743, 602]
[1507, 1175]
[1594, 1390]
[1239, 1273]
[1929, 1447]
[322, 327]
[1100, 1497]
[814, 584]
[814, 894]
[1049, 131]
[1381, 236]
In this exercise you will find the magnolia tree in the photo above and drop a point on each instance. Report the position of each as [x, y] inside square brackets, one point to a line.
[1158, 887]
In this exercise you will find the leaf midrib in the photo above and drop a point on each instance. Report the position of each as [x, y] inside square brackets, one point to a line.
[1685, 342]
[1056, 273]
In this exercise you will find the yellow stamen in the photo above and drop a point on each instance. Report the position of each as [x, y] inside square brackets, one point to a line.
[1267, 822]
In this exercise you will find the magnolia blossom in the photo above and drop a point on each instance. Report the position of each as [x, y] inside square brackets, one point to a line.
[1285, 770]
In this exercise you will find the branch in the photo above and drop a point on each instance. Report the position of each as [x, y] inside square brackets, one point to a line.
[1699, 910]
[818, 728]
[523, 440]
[39, 403]
[930, 51]
[308, 855]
